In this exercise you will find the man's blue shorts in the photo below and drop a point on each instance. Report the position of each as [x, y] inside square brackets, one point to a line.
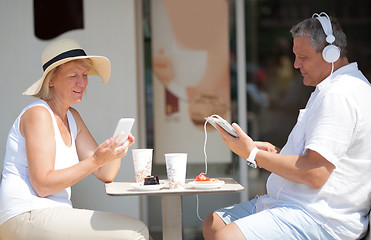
[280, 222]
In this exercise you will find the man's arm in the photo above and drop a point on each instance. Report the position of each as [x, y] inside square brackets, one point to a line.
[311, 169]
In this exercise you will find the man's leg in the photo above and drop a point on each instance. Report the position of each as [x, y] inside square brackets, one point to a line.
[215, 228]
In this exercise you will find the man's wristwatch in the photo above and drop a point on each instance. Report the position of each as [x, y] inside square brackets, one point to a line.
[251, 159]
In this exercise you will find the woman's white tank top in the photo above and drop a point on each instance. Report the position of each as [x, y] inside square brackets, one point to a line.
[16, 193]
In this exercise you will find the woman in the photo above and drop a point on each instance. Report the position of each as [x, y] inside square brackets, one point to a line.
[49, 149]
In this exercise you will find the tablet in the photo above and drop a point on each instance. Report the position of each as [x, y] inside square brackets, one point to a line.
[124, 126]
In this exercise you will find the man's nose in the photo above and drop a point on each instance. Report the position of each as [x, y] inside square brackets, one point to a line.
[297, 63]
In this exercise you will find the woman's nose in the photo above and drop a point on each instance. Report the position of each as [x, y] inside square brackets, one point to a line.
[81, 80]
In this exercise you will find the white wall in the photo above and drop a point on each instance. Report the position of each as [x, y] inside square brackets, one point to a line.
[110, 31]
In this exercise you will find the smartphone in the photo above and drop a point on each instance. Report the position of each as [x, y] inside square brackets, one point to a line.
[216, 119]
[124, 126]
[228, 128]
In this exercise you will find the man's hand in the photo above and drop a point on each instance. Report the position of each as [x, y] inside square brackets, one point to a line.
[242, 145]
[266, 146]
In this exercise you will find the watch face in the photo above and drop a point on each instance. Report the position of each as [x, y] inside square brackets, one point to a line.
[251, 164]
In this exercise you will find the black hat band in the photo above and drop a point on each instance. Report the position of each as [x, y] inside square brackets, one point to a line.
[71, 53]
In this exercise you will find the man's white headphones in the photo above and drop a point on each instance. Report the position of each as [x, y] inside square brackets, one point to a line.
[330, 53]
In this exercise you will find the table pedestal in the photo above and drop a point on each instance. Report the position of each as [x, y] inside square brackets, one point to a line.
[172, 221]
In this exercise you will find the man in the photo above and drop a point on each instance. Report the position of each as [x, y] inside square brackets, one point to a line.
[320, 184]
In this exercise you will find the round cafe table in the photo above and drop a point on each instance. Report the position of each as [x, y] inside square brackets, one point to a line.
[171, 201]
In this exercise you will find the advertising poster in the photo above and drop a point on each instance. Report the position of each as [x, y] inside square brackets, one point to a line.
[191, 78]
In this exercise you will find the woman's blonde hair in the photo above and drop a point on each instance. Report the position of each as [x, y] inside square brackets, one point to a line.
[46, 92]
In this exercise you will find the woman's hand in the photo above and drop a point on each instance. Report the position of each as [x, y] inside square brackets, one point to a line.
[108, 156]
[111, 150]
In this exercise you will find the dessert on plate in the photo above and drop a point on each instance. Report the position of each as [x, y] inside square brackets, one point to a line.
[202, 179]
[151, 180]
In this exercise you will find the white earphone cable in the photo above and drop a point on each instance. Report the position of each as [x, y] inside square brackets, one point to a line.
[197, 208]
[205, 154]
[332, 68]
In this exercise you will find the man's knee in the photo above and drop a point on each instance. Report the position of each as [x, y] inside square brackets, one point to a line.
[211, 225]
[215, 228]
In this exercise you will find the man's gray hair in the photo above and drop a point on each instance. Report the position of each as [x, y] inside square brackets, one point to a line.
[312, 27]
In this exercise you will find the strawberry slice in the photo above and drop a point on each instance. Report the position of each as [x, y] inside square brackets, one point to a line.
[202, 177]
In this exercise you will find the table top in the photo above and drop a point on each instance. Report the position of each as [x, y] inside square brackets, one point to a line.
[127, 189]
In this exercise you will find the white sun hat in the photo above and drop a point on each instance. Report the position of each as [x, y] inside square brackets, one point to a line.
[63, 51]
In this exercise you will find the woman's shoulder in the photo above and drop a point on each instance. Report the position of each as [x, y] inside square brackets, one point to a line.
[35, 117]
[37, 113]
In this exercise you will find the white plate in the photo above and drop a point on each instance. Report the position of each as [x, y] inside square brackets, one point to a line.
[207, 185]
[141, 187]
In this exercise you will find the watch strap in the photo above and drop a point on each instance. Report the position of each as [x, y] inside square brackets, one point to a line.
[251, 159]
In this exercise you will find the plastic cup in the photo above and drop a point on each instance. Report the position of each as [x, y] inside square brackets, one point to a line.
[142, 163]
[176, 166]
